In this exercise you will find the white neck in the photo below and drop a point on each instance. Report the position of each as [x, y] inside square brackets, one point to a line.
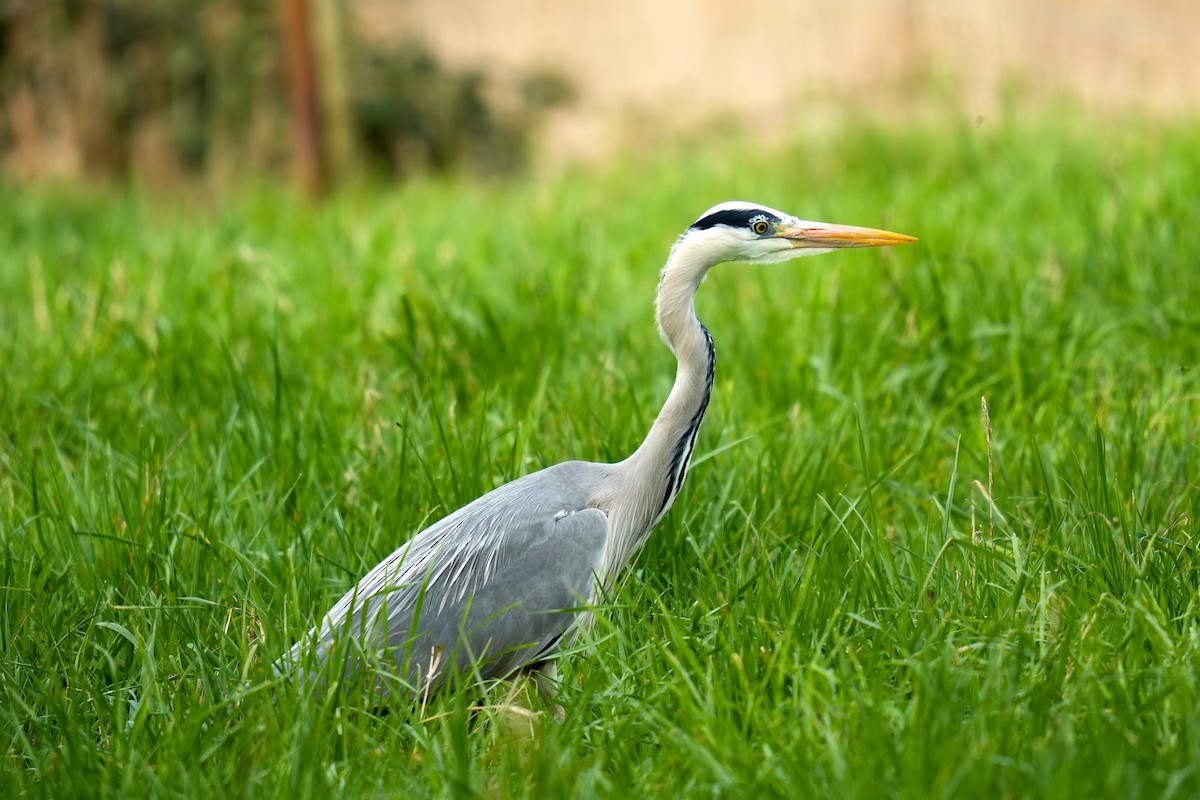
[653, 475]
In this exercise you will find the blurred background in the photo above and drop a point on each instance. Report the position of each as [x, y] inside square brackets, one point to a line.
[320, 91]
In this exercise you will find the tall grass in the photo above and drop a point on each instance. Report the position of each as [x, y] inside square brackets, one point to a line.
[213, 420]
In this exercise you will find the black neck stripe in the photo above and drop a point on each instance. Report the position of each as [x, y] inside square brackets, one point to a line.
[687, 442]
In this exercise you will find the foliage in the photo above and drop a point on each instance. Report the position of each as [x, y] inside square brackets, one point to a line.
[178, 88]
[211, 423]
[412, 113]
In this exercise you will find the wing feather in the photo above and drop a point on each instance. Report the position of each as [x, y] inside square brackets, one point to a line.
[485, 588]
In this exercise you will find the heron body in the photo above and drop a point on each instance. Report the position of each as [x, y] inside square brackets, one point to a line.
[496, 586]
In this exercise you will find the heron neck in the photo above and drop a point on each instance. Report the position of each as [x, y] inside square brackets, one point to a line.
[659, 465]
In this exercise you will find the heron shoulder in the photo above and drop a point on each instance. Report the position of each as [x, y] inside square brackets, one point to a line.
[476, 531]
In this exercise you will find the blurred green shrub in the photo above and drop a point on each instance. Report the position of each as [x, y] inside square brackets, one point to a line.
[173, 89]
[413, 113]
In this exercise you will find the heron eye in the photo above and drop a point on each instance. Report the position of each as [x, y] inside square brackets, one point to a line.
[760, 227]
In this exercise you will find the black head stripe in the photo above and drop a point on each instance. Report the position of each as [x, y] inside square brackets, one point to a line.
[734, 218]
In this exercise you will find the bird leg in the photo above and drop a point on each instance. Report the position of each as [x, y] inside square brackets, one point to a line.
[545, 678]
[544, 675]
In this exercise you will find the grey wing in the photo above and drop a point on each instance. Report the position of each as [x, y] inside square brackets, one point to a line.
[479, 590]
[542, 575]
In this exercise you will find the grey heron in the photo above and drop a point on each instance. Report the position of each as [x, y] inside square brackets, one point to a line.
[497, 586]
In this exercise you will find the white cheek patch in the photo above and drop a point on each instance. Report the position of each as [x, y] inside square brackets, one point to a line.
[770, 250]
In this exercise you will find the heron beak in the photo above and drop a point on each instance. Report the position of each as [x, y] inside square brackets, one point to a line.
[805, 234]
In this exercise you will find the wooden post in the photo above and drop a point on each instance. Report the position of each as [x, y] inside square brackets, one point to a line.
[308, 163]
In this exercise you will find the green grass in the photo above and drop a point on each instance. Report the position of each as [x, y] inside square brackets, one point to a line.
[213, 420]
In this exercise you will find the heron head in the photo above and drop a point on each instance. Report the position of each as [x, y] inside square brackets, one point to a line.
[741, 231]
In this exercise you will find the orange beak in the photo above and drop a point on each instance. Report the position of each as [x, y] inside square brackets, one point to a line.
[805, 234]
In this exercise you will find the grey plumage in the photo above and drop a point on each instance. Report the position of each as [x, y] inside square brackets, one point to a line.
[459, 593]
[497, 585]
